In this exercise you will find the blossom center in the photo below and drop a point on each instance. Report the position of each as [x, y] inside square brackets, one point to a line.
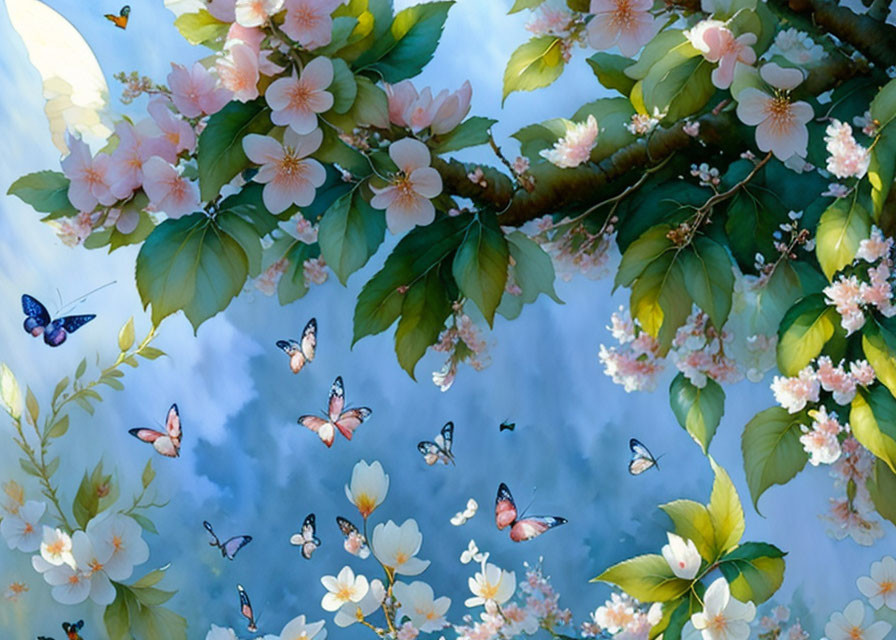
[117, 543]
[74, 579]
[489, 590]
[401, 557]
[29, 528]
[95, 565]
[887, 586]
[304, 17]
[405, 188]
[298, 97]
[291, 164]
[623, 15]
[55, 547]
[366, 503]
[855, 633]
[780, 113]
[92, 177]
[344, 593]
[718, 623]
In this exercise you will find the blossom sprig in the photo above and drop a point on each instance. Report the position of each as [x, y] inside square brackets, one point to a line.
[464, 343]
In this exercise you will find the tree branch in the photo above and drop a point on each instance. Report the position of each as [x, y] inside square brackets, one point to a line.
[876, 40]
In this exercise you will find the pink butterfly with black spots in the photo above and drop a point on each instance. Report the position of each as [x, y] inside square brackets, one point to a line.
[301, 353]
[337, 418]
[521, 529]
[168, 443]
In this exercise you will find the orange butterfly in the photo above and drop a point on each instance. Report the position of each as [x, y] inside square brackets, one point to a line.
[120, 20]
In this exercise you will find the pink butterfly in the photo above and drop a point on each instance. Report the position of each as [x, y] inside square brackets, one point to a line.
[168, 443]
[301, 353]
[525, 529]
[246, 609]
[346, 421]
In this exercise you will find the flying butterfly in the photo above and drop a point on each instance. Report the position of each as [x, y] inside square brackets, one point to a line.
[120, 20]
[168, 443]
[230, 546]
[71, 631]
[306, 538]
[642, 459]
[246, 609]
[345, 421]
[38, 322]
[520, 529]
[355, 542]
[507, 425]
[440, 450]
[301, 353]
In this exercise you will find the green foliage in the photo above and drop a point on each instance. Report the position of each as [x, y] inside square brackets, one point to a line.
[534, 65]
[96, 493]
[754, 571]
[873, 422]
[612, 115]
[709, 279]
[201, 27]
[698, 410]
[425, 308]
[137, 613]
[691, 521]
[292, 284]
[126, 335]
[220, 150]
[191, 264]
[725, 512]
[647, 578]
[879, 347]
[660, 299]
[480, 265]
[46, 191]
[882, 489]
[519, 5]
[805, 329]
[882, 167]
[610, 71]
[842, 227]
[679, 84]
[344, 87]
[533, 273]
[470, 133]
[350, 233]
[772, 450]
[10, 392]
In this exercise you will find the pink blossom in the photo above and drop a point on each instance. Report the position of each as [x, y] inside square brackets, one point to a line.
[717, 44]
[875, 247]
[836, 380]
[314, 271]
[309, 22]
[550, 20]
[238, 70]
[417, 111]
[177, 134]
[879, 292]
[642, 123]
[73, 231]
[869, 125]
[781, 122]
[691, 128]
[794, 393]
[167, 190]
[296, 101]
[254, 13]
[135, 146]
[407, 198]
[289, 176]
[820, 441]
[89, 179]
[195, 91]
[252, 37]
[625, 23]
[575, 147]
[846, 296]
[270, 277]
[862, 372]
[520, 165]
[847, 158]
[849, 521]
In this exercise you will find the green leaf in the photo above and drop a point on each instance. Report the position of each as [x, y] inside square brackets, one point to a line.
[292, 284]
[725, 512]
[334, 151]
[148, 475]
[680, 90]
[709, 278]
[93, 495]
[772, 450]
[248, 204]
[879, 346]
[534, 65]
[882, 167]
[344, 88]
[754, 571]
[151, 353]
[371, 106]
[692, 522]
[610, 71]
[882, 489]
[480, 265]
[647, 578]
[873, 422]
[657, 50]
[533, 269]
[245, 234]
[410, 43]
[190, 264]
[680, 616]
[805, 329]
[660, 300]
[519, 5]
[45, 191]
[82, 367]
[200, 27]
[220, 151]
[424, 310]
[59, 428]
[60, 387]
[144, 522]
[126, 335]
[29, 468]
[470, 133]
[32, 405]
[842, 227]
[116, 617]
[350, 233]
[10, 393]
[698, 410]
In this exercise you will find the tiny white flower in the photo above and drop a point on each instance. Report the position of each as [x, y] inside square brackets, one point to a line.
[682, 556]
[349, 612]
[880, 588]
[368, 488]
[56, 547]
[20, 529]
[343, 588]
[724, 617]
[491, 584]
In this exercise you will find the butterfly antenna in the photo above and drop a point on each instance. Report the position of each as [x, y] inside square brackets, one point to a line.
[81, 298]
[531, 500]
[656, 461]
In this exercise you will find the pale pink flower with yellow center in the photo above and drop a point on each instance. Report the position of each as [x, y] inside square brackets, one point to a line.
[820, 441]
[875, 247]
[309, 22]
[723, 617]
[575, 147]
[794, 393]
[625, 23]
[417, 111]
[88, 176]
[780, 122]
[195, 91]
[135, 146]
[717, 44]
[880, 588]
[850, 625]
[177, 134]
[168, 191]
[296, 101]
[254, 13]
[407, 197]
[289, 176]
[238, 71]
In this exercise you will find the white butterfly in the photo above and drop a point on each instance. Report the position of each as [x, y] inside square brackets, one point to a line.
[73, 84]
[472, 554]
[461, 517]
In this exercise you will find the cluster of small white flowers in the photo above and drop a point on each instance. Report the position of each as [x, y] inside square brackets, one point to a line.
[821, 440]
[798, 391]
[853, 516]
[621, 616]
[642, 124]
[709, 176]
[473, 351]
[698, 352]
[846, 157]
[635, 363]
[869, 125]
[774, 626]
[314, 271]
[575, 251]
[797, 47]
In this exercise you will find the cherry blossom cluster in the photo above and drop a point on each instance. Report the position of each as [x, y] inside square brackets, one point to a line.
[698, 351]
[796, 392]
[635, 363]
[621, 616]
[573, 248]
[775, 627]
[708, 176]
[313, 269]
[853, 514]
[464, 341]
[846, 157]
[575, 147]
[554, 18]
[852, 295]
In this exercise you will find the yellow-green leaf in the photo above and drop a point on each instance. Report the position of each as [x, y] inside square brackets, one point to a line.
[647, 578]
[725, 511]
[804, 330]
[841, 228]
[692, 522]
[534, 65]
[126, 335]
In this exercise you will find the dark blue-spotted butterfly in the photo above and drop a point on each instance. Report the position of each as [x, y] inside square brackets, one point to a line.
[246, 609]
[307, 538]
[642, 459]
[440, 450]
[55, 331]
[230, 546]
[521, 528]
[71, 631]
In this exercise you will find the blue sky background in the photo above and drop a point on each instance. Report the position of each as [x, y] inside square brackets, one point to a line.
[248, 468]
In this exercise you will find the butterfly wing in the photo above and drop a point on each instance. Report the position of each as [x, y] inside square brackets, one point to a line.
[430, 451]
[208, 527]
[246, 608]
[507, 426]
[121, 20]
[505, 507]
[234, 544]
[37, 315]
[309, 339]
[307, 538]
[355, 542]
[160, 442]
[447, 434]
[172, 425]
[294, 350]
[337, 399]
[534, 526]
[73, 323]
[351, 420]
[323, 428]
[641, 460]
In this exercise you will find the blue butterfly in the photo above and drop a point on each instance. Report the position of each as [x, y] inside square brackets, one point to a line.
[55, 331]
[642, 459]
[228, 547]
